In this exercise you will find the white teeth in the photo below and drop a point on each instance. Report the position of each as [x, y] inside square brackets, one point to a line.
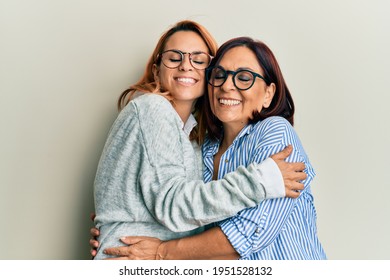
[186, 80]
[229, 102]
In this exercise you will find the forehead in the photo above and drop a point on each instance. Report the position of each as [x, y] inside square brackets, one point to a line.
[186, 41]
[240, 57]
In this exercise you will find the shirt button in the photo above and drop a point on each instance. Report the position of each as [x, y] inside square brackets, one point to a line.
[226, 160]
[257, 230]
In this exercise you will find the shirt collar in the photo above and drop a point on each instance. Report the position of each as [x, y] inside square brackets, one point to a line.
[246, 130]
[189, 125]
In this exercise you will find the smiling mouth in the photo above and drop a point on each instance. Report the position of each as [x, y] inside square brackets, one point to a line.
[189, 81]
[229, 102]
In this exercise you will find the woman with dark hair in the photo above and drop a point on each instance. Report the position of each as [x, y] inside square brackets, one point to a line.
[250, 116]
[149, 177]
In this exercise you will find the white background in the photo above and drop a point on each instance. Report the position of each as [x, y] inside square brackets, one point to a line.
[63, 65]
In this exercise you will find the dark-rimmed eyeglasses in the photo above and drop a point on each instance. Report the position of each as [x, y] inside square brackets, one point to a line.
[173, 58]
[243, 79]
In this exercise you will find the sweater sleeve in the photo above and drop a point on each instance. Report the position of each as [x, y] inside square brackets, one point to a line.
[181, 204]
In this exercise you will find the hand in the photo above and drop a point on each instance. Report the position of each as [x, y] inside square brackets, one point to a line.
[292, 172]
[93, 241]
[139, 248]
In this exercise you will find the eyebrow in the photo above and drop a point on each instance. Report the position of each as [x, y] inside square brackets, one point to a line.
[197, 51]
[239, 69]
[246, 68]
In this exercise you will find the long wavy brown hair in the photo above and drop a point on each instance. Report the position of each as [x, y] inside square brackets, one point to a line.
[148, 84]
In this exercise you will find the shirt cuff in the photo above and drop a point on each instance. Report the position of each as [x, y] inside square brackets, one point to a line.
[272, 178]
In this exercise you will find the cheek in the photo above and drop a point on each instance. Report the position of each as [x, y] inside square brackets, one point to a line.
[164, 73]
[259, 104]
[258, 99]
[164, 80]
[258, 107]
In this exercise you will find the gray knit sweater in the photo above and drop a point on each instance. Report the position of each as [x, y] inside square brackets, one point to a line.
[149, 179]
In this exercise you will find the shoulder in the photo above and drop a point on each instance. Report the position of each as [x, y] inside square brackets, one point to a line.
[275, 123]
[150, 102]
[151, 114]
[275, 130]
[274, 134]
[151, 108]
[156, 116]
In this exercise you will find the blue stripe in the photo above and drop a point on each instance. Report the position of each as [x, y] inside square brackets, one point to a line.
[279, 229]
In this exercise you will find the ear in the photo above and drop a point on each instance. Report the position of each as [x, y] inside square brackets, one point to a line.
[269, 95]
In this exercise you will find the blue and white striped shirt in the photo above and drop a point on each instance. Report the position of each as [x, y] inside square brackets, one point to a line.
[276, 229]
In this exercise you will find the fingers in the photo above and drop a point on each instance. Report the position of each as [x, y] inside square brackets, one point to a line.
[292, 194]
[118, 251]
[93, 252]
[93, 243]
[92, 216]
[119, 258]
[292, 172]
[298, 186]
[283, 154]
[293, 188]
[296, 176]
[94, 232]
[129, 240]
[296, 166]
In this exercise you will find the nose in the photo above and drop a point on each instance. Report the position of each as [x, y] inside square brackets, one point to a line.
[228, 84]
[185, 64]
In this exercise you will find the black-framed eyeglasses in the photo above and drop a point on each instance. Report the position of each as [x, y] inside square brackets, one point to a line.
[173, 58]
[243, 79]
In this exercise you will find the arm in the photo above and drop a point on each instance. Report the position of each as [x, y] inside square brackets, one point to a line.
[231, 240]
[215, 244]
[146, 247]
[208, 245]
[194, 247]
[250, 231]
[238, 240]
[183, 205]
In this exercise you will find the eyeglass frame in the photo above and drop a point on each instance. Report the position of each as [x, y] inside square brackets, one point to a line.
[160, 55]
[234, 74]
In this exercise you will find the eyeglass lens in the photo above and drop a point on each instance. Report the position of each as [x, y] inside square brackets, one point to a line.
[173, 59]
[242, 79]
